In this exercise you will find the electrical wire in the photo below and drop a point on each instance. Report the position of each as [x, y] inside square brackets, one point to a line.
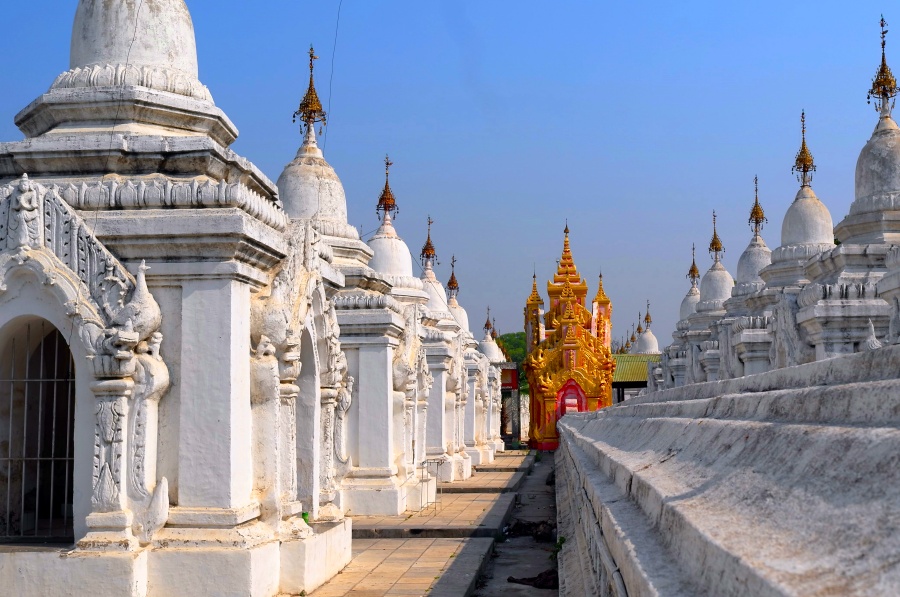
[337, 27]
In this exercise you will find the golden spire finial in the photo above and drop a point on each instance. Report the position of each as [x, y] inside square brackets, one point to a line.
[647, 319]
[487, 324]
[601, 297]
[693, 273]
[640, 329]
[387, 205]
[884, 85]
[715, 244]
[494, 333]
[757, 215]
[453, 285]
[633, 338]
[804, 165]
[310, 110]
[565, 267]
[428, 253]
[535, 297]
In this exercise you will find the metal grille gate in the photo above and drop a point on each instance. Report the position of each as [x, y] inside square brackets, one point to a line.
[37, 415]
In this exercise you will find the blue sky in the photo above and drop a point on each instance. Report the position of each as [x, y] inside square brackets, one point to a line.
[632, 120]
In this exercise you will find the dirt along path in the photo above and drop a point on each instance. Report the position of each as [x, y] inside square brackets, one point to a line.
[529, 545]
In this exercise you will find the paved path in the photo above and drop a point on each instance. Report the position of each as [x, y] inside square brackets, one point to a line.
[433, 567]
[445, 549]
[523, 557]
[485, 482]
[509, 461]
[456, 515]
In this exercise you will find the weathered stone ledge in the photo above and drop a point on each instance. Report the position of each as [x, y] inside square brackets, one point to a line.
[772, 484]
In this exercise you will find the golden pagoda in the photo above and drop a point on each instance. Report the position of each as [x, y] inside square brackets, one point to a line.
[569, 365]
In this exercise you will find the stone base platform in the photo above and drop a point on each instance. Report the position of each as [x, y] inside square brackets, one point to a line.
[510, 461]
[485, 482]
[454, 516]
[264, 570]
[770, 484]
[436, 567]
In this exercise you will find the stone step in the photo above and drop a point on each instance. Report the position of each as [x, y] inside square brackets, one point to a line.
[454, 516]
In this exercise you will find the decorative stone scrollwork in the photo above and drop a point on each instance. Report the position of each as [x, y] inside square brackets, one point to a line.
[755, 322]
[157, 191]
[813, 293]
[122, 75]
[367, 300]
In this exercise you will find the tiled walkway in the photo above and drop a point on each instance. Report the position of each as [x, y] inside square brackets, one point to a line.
[485, 482]
[438, 552]
[457, 515]
[401, 567]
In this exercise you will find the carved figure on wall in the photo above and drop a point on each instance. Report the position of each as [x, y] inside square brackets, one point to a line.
[24, 217]
[788, 347]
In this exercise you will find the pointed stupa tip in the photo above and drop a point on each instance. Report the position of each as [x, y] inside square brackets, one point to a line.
[757, 215]
[884, 85]
[494, 333]
[601, 297]
[387, 204]
[647, 319]
[535, 297]
[640, 329]
[565, 267]
[428, 255]
[804, 165]
[310, 111]
[715, 243]
[694, 272]
[487, 324]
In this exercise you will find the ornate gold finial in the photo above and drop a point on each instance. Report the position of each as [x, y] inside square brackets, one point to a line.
[428, 252]
[535, 297]
[884, 85]
[310, 110]
[565, 267]
[757, 215]
[494, 333]
[633, 338]
[487, 324]
[640, 329]
[804, 165]
[647, 319]
[601, 297]
[715, 244]
[693, 273]
[453, 285]
[387, 205]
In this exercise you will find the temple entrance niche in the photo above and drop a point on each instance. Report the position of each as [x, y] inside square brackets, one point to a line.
[307, 417]
[37, 421]
[571, 398]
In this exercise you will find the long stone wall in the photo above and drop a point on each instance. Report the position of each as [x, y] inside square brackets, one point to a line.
[782, 483]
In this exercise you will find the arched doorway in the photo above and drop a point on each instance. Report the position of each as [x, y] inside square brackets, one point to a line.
[37, 415]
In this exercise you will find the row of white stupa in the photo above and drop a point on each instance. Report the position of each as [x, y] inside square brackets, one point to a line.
[824, 291]
[244, 371]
